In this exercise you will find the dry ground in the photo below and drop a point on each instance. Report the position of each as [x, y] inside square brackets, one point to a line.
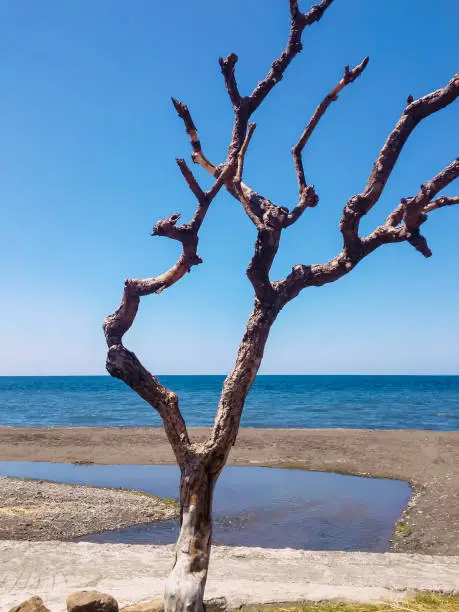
[244, 576]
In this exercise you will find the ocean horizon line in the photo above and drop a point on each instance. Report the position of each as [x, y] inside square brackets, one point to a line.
[436, 374]
[298, 400]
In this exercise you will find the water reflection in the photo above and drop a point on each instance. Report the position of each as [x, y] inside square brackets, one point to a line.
[254, 506]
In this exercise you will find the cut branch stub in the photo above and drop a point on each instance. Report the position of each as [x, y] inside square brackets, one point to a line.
[185, 234]
[197, 156]
[167, 227]
[351, 75]
[227, 65]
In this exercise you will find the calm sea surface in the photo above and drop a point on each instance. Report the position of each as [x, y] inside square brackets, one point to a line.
[369, 402]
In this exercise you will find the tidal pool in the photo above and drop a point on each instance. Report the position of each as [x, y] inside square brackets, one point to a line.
[253, 506]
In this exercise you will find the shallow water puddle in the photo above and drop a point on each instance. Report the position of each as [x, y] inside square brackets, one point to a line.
[254, 506]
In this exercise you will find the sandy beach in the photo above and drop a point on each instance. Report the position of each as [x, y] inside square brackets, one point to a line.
[428, 460]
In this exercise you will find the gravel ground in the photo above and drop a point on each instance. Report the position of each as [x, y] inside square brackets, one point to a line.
[40, 510]
[428, 460]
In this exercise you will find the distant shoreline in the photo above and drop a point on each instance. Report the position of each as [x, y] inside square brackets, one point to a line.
[427, 459]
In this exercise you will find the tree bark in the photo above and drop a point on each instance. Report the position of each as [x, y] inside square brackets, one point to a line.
[201, 464]
[201, 468]
[184, 591]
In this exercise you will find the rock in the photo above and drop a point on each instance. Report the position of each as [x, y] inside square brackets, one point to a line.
[34, 604]
[91, 601]
[155, 605]
[216, 604]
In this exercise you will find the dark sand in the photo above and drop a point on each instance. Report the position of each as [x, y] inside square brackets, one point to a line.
[428, 460]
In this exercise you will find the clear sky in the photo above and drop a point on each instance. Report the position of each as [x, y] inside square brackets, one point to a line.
[89, 138]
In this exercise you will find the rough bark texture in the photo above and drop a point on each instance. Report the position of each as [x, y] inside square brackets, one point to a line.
[202, 463]
[186, 583]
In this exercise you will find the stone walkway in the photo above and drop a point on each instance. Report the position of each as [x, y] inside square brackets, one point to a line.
[133, 573]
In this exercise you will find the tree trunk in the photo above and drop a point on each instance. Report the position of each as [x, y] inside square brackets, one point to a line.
[202, 463]
[185, 585]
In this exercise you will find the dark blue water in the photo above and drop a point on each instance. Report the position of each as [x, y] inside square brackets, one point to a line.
[368, 402]
[254, 506]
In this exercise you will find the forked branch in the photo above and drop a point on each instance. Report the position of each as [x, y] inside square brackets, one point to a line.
[122, 363]
[415, 208]
[299, 21]
[395, 230]
[414, 113]
[414, 211]
[244, 107]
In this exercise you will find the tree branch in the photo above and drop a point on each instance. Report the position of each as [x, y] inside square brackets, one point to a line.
[197, 156]
[244, 107]
[415, 208]
[237, 384]
[266, 247]
[122, 363]
[308, 199]
[190, 179]
[415, 111]
[413, 212]
[227, 65]
[222, 176]
[242, 152]
[269, 220]
[348, 77]
[391, 232]
[250, 204]
[299, 21]
[442, 201]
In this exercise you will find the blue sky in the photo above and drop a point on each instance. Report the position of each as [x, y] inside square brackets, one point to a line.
[89, 139]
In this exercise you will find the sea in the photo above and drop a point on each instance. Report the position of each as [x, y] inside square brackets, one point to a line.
[364, 402]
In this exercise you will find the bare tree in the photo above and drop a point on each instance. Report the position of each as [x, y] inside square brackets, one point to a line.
[201, 464]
